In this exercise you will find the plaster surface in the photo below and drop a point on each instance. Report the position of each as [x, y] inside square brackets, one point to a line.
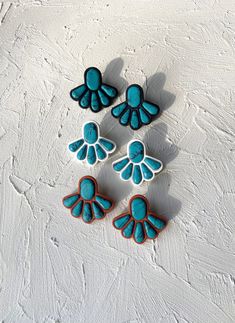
[54, 268]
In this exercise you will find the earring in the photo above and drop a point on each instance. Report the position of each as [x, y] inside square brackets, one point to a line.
[135, 111]
[136, 165]
[91, 147]
[87, 202]
[94, 94]
[139, 223]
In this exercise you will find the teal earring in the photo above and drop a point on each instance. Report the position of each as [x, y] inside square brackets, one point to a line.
[139, 223]
[136, 166]
[94, 93]
[135, 111]
[92, 147]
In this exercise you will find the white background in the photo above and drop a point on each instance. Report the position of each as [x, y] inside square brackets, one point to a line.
[54, 268]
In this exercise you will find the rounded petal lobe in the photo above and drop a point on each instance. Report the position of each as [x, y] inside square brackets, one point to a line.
[77, 209]
[118, 110]
[150, 232]
[120, 164]
[74, 146]
[156, 222]
[139, 234]
[77, 92]
[104, 202]
[137, 176]
[87, 213]
[81, 155]
[128, 230]
[70, 200]
[121, 221]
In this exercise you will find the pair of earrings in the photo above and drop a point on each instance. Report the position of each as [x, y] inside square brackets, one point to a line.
[139, 223]
[135, 166]
[135, 111]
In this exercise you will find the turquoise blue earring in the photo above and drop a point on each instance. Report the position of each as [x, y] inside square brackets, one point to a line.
[87, 203]
[94, 94]
[92, 147]
[139, 223]
[135, 111]
[136, 165]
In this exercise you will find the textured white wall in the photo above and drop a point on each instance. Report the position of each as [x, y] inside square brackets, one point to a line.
[54, 268]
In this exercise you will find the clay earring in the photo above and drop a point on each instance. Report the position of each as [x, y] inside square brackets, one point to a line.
[87, 202]
[139, 223]
[136, 165]
[94, 94]
[91, 147]
[135, 111]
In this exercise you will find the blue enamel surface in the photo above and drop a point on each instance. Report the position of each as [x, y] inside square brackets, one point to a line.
[107, 144]
[95, 103]
[85, 99]
[137, 176]
[93, 78]
[151, 233]
[104, 98]
[144, 117]
[119, 223]
[90, 132]
[97, 210]
[87, 213]
[87, 189]
[128, 230]
[117, 111]
[152, 163]
[151, 108]
[135, 124]
[105, 203]
[138, 208]
[77, 210]
[78, 92]
[124, 120]
[69, 201]
[156, 222]
[119, 165]
[127, 172]
[139, 233]
[147, 173]
[134, 95]
[74, 146]
[109, 90]
[91, 156]
[101, 154]
[81, 155]
[136, 151]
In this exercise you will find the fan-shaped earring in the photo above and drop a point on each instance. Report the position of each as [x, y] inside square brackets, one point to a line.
[139, 223]
[91, 147]
[94, 94]
[136, 165]
[135, 111]
[88, 203]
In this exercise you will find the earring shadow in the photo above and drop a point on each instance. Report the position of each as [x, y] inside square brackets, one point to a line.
[112, 129]
[112, 74]
[155, 92]
[160, 200]
[158, 145]
[111, 184]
